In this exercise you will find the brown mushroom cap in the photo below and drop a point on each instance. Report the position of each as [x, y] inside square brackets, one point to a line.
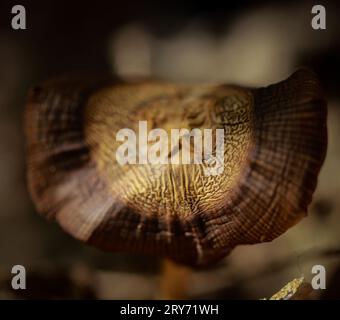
[275, 143]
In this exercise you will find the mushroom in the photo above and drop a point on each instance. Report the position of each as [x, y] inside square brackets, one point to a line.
[275, 141]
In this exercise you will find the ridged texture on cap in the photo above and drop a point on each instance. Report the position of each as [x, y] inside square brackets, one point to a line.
[275, 143]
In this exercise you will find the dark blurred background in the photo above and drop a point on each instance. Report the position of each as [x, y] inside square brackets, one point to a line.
[250, 43]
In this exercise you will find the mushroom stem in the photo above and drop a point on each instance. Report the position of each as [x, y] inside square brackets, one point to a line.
[174, 280]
